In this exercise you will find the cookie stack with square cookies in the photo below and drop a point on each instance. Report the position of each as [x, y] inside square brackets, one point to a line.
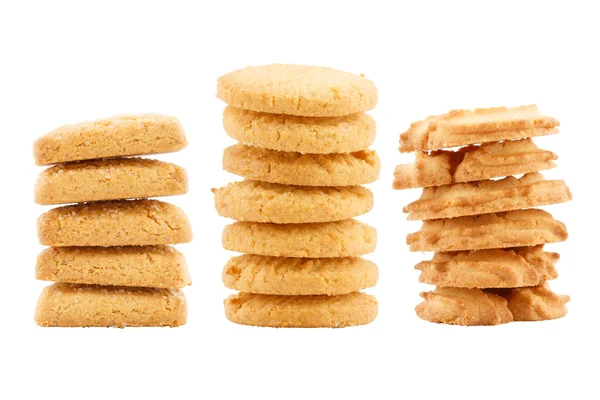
[490, 265]
[111, 252]
[304, 151]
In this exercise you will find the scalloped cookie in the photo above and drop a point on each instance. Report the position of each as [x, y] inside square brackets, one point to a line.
[257, 201]
[301, 311]
[537, 303]
[299, 276]
[297, 90]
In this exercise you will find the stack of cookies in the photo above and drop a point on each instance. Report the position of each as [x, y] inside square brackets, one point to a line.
[490, 265]
[111, 256]
[304, 140]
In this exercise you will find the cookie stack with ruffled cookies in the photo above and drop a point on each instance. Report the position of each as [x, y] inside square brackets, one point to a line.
[490, 265]
[304, 151]
[111, 253]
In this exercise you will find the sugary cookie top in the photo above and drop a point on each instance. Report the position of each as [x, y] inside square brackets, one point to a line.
[297, 90]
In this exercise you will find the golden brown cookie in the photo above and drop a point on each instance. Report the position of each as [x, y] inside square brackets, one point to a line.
[484, 197]
[282, 204]
[301, 311]
[473, 163]
[141, 266]
[290, 133]
[464, 127]
[299, 276]
[468, 307]
[126, 135]
[496, 268]
[348, 238]
[537, 303]
[350, 169]
[114, 223]
[297, 90]
[489, 231]
[67, 305]
[114, 179]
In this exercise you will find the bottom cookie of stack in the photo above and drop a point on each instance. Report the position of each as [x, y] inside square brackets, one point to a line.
[490, 287]
[300, 292]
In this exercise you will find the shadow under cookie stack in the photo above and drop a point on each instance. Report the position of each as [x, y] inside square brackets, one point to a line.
[111, 256]
[304, 140]
[490, 265]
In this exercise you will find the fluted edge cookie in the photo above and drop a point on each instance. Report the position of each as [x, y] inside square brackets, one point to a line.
[473, 163]
[125, 135]
[497, 268]
[465, 127]
[68, 305]
[272, 166]
[301, 311]
[139, 266]
[297, 90]
[299, 276]
[113, 179]
[488, 231]
[114, 223]
[485, 197]
[257, 201]
[290, 133]
[348, 238]
[467, 307]
[538, 303]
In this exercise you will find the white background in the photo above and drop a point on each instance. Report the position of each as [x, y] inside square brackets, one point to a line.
[63, 63]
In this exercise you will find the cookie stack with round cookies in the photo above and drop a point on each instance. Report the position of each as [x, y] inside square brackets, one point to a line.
[304, 152]
[490, 265]
[110, 252]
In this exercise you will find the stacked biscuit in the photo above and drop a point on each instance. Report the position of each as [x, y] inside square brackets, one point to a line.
[489, 266]
[111, 256]
[303, 150]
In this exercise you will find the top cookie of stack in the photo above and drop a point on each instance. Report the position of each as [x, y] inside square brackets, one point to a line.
[489, 266]
[111, 253]
[304, 140]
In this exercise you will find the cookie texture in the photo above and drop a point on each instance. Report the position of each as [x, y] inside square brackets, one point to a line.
[473, 163]
[467, 307]
[496, 268]
[349, 238]
[299, 276]
[537, 303]
[481, 125]
[489, 231]
[114, 223]
[270, 202]
[350, 169]
[301, 311]
[114, 179]
[297, 90]
[140, 266]
[290, 133]
[484, 197]
[126, 135]
[68, 305]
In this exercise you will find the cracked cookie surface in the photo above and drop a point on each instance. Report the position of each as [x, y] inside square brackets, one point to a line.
[257, 201]
[113, 179]
[114, 223]
[125, 135]
[272, 166]
[299, 276]
[289, 133]
[301, 311]
[140, 266]
[68, 305]
[348, 238]
[297, 90]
